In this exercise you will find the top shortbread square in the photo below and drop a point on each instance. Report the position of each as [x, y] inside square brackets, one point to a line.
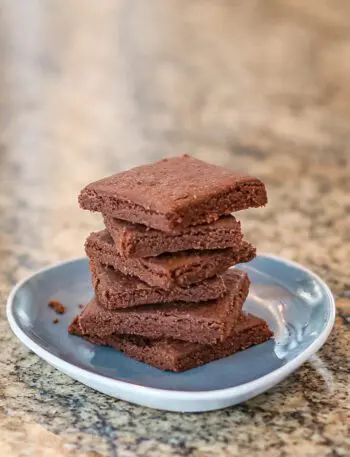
[174, 193]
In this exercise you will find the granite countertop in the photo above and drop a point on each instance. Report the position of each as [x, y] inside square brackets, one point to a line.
[89, 88]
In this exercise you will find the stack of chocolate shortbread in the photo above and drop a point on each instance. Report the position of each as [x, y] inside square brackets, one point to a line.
[164, 293]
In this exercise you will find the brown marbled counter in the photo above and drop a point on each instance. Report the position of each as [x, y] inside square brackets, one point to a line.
[87, 88]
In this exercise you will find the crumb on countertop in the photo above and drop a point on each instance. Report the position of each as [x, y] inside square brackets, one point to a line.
[56, 321]
[57, 306]
[81, 306]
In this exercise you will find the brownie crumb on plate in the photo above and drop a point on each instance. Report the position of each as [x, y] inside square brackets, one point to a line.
[57, 306]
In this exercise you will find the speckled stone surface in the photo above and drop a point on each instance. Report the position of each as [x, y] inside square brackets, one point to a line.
[89, 88]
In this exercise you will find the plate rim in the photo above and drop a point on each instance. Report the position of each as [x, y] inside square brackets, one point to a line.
[259, 384]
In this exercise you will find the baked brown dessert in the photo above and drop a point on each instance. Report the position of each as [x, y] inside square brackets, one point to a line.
[174, 355]
[168, 271]
[136, 240]
[173, 194]
[114, 290]
[57, 306]
[203, 322]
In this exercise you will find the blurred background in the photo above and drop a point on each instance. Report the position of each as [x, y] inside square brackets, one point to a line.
[88, 88]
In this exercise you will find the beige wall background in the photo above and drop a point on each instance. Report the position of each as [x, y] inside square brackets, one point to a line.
[174, 75]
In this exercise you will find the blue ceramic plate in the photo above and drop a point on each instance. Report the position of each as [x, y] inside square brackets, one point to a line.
[296, 303]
